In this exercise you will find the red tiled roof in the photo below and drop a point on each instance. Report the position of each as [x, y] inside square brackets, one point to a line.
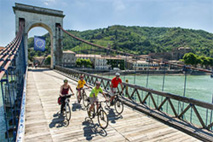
[69, 51]
[1, 48]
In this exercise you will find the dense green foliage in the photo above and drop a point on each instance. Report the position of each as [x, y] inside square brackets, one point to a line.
[138, 40]
[193, 59]
[47, 60]
[116, 63]
[83, 63]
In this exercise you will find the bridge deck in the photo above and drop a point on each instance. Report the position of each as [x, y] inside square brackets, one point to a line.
[43, 123]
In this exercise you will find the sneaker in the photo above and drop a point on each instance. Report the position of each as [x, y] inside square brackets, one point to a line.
[61, 115]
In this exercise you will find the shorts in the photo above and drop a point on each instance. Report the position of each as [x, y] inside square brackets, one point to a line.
[93, 100]
[79, 89]
[112, 92]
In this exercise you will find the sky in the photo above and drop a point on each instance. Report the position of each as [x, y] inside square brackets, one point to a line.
[93, 14]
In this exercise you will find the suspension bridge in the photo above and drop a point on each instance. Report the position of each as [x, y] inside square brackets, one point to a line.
[29, 95]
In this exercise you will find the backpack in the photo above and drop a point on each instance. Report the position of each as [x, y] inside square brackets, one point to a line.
[59, 100]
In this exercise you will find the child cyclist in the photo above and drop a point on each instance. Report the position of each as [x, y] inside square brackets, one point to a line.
[94, 95]
[80, 86]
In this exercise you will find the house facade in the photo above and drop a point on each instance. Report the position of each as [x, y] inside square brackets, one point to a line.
[68, 59]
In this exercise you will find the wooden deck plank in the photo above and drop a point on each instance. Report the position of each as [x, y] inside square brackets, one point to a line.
[43, 122]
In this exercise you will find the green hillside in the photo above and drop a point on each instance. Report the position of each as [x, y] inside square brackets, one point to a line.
[139, 40]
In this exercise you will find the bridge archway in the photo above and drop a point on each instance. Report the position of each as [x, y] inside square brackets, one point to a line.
[49, 19]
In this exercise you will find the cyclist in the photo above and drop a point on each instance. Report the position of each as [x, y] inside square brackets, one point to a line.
[63, 92]
[114, 84]
[80, 86]
[94, 95]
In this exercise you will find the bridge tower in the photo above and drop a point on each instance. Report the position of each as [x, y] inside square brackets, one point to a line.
[41, 17]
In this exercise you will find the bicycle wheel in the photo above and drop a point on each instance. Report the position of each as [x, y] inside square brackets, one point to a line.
[91, 115]
[102, 119]
[67, 112]
[119, 106]
[85, 100]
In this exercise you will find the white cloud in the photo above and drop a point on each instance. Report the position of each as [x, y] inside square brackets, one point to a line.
[48, 2]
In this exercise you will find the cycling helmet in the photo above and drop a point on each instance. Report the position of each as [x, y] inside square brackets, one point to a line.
[81, 76]
[65, 80]
[98, 83]
[117, 74]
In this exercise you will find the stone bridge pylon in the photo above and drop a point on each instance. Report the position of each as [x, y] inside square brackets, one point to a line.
[41, 17]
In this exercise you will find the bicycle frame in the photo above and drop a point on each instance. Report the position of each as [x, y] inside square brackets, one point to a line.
[81, 92]
[99, 107]
[67, 100]
[100, 113]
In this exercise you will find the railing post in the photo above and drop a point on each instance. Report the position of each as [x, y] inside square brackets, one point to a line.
[184, 92]
[5, 114]
[11, 105]
[211, 113]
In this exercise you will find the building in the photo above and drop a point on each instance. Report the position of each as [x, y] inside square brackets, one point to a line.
[143, 57]
[69, 59]
[142, 65]
[178, 53]
[101, 63]
[175, 54]
[116, 62]
[161, 55]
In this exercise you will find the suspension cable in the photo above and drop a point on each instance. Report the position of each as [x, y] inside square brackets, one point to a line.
[154, 60]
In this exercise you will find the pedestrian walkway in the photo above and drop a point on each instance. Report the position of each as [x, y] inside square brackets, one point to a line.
[44, 124]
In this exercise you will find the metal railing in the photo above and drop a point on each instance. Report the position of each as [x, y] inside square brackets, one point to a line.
[192, 111]
[12, 70]
[21, 124]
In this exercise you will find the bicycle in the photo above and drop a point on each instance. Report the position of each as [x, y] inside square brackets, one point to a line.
[118, 104]
[82, 96]
[67, 110]
[100, 113]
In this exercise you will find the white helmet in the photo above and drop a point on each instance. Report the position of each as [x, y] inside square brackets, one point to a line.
[117, 74]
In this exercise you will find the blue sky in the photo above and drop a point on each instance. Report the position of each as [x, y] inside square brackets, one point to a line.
[92, 14]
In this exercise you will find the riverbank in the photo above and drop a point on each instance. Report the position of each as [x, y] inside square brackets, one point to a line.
[139, 72]
[153, 72]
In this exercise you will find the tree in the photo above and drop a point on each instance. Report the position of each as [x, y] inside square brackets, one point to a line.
[204, 61]
[84, 62]
[47, 60]
[78, 62]
[210, 61]
[190, 58]
[88, 63]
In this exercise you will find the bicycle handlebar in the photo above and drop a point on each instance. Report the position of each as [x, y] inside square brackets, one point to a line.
[68, 96]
